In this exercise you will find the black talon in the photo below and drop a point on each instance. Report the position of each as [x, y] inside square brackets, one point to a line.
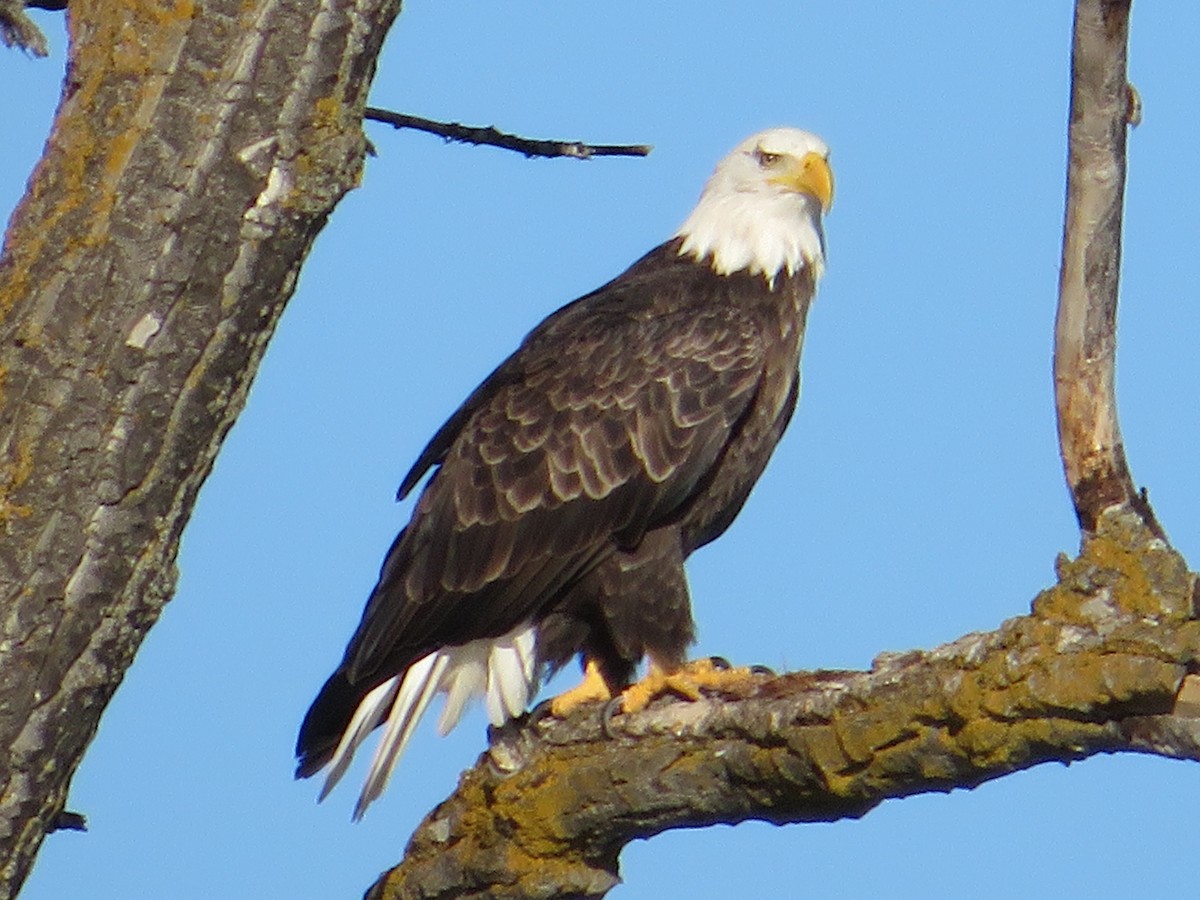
[541, 711]
[611, 708]
[762, 670]
[720, 662]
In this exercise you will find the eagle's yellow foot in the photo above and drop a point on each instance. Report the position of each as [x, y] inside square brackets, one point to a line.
[686, 682]
[593, 687]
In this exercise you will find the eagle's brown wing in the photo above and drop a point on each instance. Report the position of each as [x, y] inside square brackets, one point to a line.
[581, 442]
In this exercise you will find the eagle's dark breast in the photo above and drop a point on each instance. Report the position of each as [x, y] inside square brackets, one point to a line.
[625, 432]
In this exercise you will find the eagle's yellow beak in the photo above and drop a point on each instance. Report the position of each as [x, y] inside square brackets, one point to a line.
[810, 175]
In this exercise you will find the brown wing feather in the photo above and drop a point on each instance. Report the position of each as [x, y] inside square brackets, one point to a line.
[589, 436]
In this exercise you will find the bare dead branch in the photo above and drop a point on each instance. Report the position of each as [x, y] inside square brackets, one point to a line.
[490, 136]
[1085, 332]
[1095, 668]
[19, 31]
[69, 821]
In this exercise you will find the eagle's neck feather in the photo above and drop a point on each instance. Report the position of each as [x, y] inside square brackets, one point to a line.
[765, 233]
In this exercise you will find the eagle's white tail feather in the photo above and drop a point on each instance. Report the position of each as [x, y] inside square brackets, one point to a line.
[421, 682]
[370, 712]
[510, 676]
[503, 669]
[526, 644]
[465, 678]
[501, 677]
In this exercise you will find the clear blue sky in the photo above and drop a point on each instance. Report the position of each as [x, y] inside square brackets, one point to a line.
[917, 496]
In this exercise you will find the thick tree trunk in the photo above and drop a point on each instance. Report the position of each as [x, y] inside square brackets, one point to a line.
[197, 151]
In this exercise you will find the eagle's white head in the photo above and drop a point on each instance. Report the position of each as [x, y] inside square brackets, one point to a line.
[761, 209]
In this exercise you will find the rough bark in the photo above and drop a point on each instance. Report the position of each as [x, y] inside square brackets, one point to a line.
[197, 151]
[1096, 668]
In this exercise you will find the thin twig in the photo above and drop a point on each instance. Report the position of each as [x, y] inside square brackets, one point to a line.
[530, 147]
[69, 821]
[1085, 332]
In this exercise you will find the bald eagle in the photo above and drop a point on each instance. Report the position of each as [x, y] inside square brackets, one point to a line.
[625, 432]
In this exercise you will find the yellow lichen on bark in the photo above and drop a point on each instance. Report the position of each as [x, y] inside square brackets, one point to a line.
[137, 43]
[13, 474]
[1122, 568]
[820, 744]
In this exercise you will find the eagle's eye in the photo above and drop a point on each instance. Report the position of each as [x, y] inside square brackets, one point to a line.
[767, 159]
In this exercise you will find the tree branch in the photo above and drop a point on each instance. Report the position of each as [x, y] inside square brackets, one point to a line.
[1085, 333]
[1095, 669]
[530, 147]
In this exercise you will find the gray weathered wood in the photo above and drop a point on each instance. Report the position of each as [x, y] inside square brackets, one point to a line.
[1085, 336]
